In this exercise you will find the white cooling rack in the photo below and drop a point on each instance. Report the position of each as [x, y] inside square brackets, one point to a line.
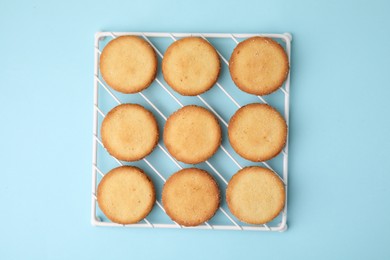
[223, 100]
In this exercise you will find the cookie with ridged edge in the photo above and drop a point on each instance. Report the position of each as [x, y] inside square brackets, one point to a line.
[255, 195]
[257, 132]
[259, 65]
[191, 196]
[191, 66]
[128, 64]
[192, 134]
[129, 132]
[126, 195]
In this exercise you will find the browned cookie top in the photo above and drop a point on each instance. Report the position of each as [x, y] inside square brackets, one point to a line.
[192, 134]
[257, 132]
[191, 66]
[129, 132]
[255, 195]
[259, 65]
[191, 197]
[126, 195]
[128, 64]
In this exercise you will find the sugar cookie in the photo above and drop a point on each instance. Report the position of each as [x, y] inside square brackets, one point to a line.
[126, 195]
[255, 195]
[128, 64]
[191, 197]
[259, 65]
[192, 134]
[257, 132]
[191, 66]
[129, 132]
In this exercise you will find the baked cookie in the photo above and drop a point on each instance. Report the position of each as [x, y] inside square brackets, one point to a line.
[192, 134]
[259, 65]
[191, 196]
[126, 195]
[257, 132]
[129, 132]
[255, 195]
[191, 66]
[128, 64]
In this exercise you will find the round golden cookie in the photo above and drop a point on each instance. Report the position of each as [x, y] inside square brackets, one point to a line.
[126, 195]
[257, 132]
[129, 132]
[255, 195]
[191, 196]
[128, 64]
[192, 134]
[191, 66]
[259, 65]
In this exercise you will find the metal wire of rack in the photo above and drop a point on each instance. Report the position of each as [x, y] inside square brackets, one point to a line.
[224, 220]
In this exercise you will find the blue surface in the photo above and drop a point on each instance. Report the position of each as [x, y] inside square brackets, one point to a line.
[339, 172]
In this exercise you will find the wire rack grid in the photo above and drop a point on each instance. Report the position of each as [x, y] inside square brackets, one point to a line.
[160, 164]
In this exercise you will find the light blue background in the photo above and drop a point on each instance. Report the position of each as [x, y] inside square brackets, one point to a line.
[339, 163]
